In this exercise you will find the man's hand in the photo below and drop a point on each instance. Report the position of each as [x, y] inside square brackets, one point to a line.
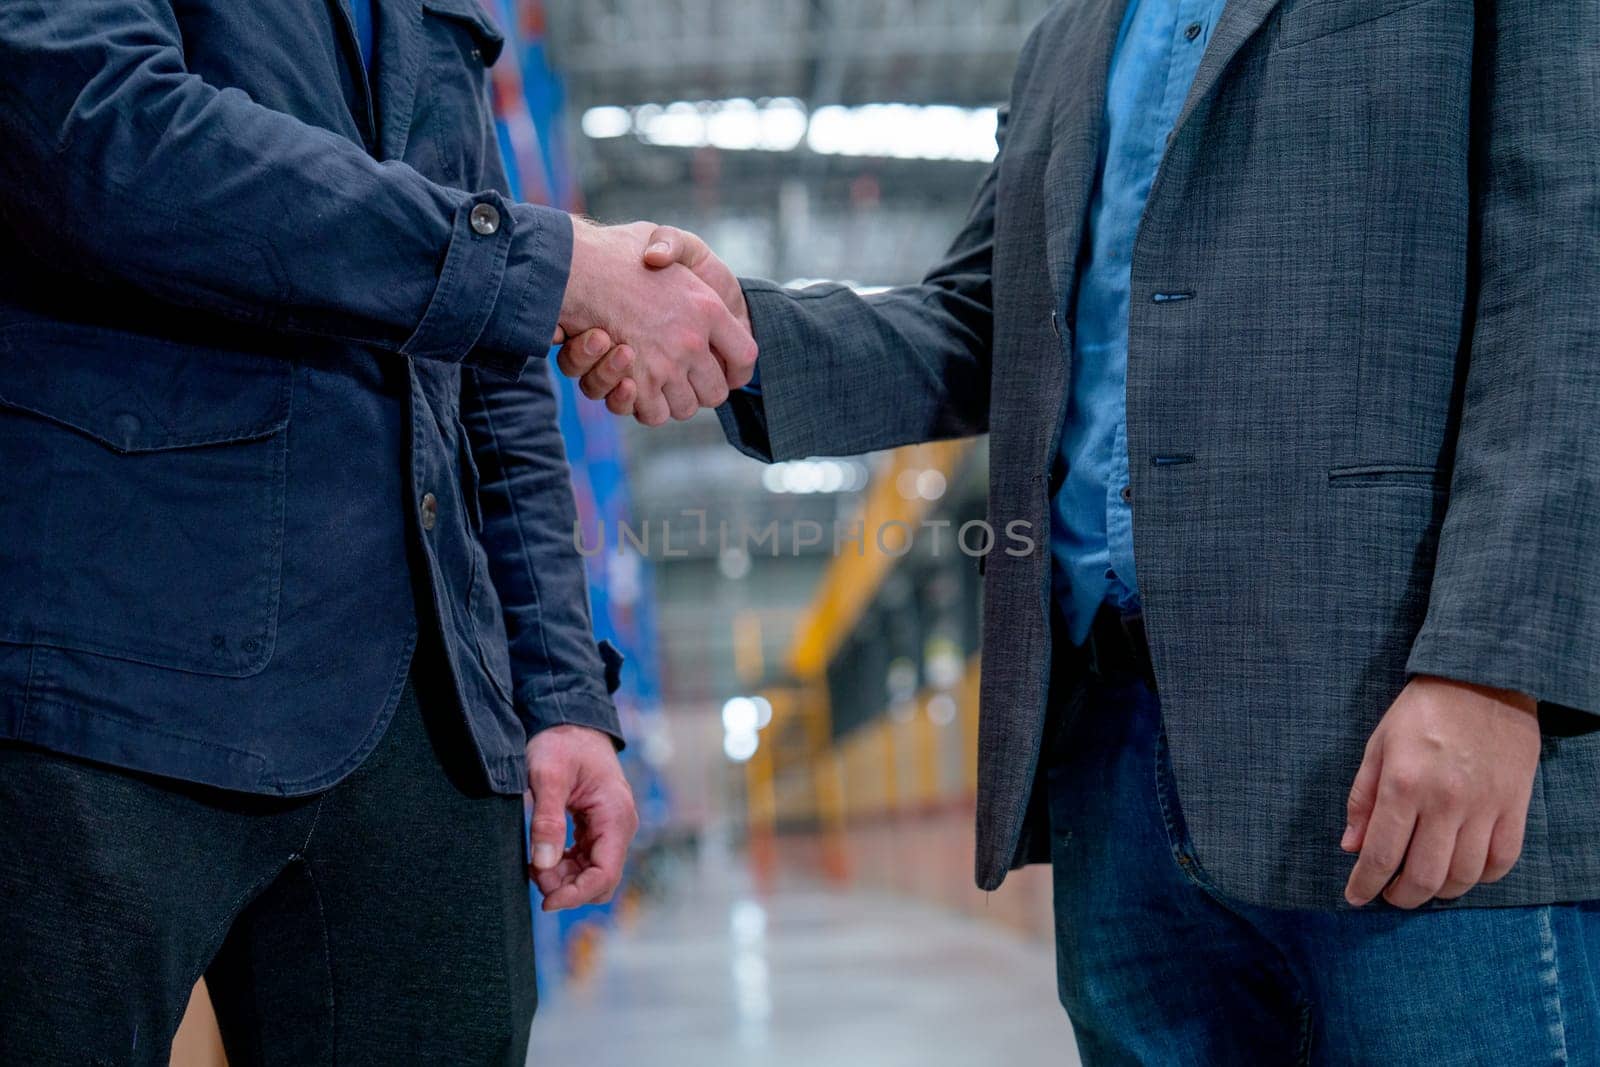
[574, 768]
[1445, 787]
[675, 339]
[601, 366]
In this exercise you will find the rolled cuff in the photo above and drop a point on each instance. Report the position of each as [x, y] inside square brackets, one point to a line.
[500, 290]
[576, 709]
[529, 310]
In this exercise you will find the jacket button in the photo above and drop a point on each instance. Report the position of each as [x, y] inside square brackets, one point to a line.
[485, 220]
[1127, 494]
[430, 511]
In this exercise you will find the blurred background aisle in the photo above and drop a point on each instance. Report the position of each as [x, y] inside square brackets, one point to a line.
[722, 976]
[808, 732]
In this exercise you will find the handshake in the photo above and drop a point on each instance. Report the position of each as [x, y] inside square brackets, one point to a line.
[653, 322]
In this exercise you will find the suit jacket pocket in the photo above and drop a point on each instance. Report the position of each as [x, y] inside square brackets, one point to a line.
[143, 515]
[1312, 20]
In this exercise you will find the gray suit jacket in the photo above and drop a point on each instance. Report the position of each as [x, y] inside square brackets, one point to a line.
[1379, 406]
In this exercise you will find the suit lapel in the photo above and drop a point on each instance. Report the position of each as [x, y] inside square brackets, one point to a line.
[1082, 49]
[1239, 22]
[401, 48]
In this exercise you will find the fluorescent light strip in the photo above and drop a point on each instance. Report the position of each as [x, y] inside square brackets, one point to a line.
[893, 131]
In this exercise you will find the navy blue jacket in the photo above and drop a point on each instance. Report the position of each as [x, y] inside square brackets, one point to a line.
[263, 333]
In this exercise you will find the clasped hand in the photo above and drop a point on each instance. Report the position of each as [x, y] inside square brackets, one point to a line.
[644, 328]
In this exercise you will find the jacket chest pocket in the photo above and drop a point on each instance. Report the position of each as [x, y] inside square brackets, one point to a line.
[143, 518]
[461, 43]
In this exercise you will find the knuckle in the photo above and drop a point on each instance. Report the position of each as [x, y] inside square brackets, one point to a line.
[1406, 782]
[1427, 884]
[1381, 860]
[690, 342]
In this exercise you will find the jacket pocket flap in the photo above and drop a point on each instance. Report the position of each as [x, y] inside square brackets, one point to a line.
[1313, 20]
[139, 394]
[490, 39]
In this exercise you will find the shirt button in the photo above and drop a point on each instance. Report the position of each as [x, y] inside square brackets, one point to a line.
[1194, 31]
[429, 510]
[1127, 494]
[485, 220]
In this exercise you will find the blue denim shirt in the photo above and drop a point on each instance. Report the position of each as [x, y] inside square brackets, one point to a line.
[365, 35]
[1157, 56]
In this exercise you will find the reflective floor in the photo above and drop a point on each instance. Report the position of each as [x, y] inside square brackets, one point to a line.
[717, 976]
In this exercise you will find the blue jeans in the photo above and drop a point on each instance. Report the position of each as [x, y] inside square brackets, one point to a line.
[1157, 967]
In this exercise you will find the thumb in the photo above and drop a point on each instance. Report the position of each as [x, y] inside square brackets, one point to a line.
[1363, 797]
[668, 245]
[551, 792]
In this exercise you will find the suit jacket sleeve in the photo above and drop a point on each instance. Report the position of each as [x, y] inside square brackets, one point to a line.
[1516, 591]
[134, 171]
[843, 373]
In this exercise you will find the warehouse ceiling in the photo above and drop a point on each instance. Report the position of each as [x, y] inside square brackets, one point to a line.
[821, 51]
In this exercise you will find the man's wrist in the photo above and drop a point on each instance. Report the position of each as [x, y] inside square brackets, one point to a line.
[578, 303]
[1509, 697]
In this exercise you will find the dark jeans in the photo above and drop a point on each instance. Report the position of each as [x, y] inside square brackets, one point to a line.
[384, 921]
[1157, 967]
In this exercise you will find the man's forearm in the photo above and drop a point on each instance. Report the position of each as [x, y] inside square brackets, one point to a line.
[558, 674]
[141, 173]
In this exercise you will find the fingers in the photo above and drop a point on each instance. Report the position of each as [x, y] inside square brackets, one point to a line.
[1363, 796]
[612, 829]
[682, 402]
[579, 354]
[709, 384]
[621, 400]
[1505, 847]
[650, 406]
[1427, 863]
[607, 374]
[591, 874]
[1388, 834]
[552, 787]
[1471, 856]
[735, 350]
[669, 245]
[553, 878]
